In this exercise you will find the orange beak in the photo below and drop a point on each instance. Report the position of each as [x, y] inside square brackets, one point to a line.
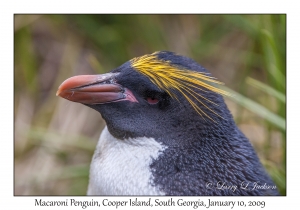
[94, 89]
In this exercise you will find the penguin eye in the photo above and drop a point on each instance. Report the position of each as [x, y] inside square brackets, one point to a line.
[152, 100]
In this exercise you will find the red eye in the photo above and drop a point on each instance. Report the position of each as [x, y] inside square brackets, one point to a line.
[152, 100]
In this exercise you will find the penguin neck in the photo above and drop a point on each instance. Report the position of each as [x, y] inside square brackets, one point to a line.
[209, 157]
[200, 131]
[122, 167]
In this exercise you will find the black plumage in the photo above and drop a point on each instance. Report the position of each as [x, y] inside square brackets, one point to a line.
[204, 155]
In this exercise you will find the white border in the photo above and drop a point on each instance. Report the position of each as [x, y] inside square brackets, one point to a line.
[8, 201]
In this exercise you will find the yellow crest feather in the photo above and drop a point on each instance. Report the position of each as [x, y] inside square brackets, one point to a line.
[169, 77]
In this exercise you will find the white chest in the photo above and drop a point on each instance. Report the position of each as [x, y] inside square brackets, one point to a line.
[122, 167]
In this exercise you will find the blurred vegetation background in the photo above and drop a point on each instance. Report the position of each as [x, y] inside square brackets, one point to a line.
[55, 138]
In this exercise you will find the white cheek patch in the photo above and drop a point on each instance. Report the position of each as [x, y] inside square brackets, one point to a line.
[122, 167]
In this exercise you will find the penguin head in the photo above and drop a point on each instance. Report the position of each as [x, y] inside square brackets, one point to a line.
[155, 95]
